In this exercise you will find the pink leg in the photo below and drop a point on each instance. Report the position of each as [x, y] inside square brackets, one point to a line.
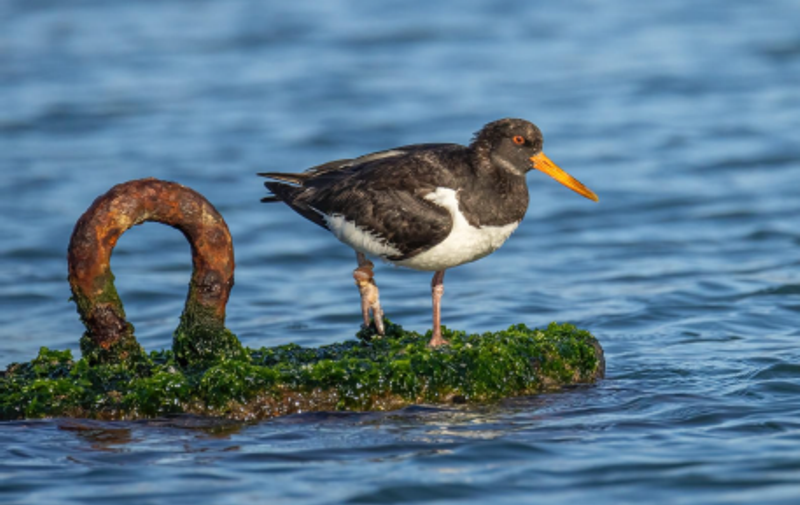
[370, 300]
[437, 290]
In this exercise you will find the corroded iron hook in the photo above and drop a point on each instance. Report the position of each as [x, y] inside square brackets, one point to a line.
[109, 337]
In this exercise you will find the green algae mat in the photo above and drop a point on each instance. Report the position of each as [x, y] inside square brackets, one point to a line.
[208, 371]
[389, 373]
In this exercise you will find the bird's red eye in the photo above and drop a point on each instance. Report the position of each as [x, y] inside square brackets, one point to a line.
[519, 140]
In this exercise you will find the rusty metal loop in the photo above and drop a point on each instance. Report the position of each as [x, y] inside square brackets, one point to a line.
[93, 240]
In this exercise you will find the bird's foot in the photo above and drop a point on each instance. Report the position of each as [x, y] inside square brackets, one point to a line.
[437, 340]
[370, 297]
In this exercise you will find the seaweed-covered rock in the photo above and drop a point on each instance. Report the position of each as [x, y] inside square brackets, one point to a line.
[379, 374]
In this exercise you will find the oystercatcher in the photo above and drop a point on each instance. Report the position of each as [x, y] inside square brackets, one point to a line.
[425, 206]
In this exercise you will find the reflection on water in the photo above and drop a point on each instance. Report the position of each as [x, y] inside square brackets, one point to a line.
[681, 116]
[99, 437]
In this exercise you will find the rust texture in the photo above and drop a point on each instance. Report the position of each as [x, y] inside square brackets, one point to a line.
[135, 202]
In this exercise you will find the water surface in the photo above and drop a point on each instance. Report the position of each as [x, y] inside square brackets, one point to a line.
[682, 116]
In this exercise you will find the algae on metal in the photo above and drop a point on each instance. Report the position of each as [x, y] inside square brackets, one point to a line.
[381, 374]
[107, 310]
[202, 338]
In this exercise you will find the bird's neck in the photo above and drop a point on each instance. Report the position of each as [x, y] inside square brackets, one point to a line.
[495, 195]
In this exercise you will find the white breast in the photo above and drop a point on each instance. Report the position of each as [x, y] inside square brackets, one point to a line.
[465, 242]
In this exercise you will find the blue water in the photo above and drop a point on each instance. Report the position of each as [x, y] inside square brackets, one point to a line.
[682, 116]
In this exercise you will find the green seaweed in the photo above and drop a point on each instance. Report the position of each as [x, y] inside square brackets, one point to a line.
[363, 374]
[201, 338]
[124, 350]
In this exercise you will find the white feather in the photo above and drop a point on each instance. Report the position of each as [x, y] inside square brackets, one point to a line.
[358, 238]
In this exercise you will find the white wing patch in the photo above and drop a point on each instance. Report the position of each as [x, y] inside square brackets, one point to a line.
[465, 242]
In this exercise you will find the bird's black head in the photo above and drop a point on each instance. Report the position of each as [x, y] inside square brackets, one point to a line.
[510, 144]
[515, 145]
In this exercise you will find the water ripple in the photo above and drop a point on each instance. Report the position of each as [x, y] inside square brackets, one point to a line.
[681, 117]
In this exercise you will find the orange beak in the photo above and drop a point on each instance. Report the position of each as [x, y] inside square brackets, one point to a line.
[543, 164]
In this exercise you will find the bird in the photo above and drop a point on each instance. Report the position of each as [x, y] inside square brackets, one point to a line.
[427, 207]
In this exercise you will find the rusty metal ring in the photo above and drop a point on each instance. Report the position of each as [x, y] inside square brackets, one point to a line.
[109, 337]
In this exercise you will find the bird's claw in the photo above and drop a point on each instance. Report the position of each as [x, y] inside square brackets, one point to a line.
[437, 340]
[370, 298]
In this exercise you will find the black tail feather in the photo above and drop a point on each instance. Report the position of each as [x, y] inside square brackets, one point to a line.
[281, 192]
[289, 194]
